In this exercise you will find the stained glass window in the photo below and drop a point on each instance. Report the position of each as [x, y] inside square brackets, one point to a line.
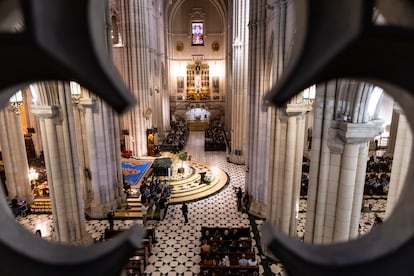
[197, 30]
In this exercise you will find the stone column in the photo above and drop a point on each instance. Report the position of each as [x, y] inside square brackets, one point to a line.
[33, 122]
[347, 178]
[285, 176]
[352, 176]
[62, 165]
[13, 151]
[239, 82]
[103, 180]
[319, 178]
[393, 129]
[348, 156]
[134, 63]
[401, 160]
[359, 190]
[338, 163]
[259, 117]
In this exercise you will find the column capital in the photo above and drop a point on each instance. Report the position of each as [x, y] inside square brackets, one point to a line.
[397, 108]
[87, 102]
[45, 111]
[358, 133]
[297, 109]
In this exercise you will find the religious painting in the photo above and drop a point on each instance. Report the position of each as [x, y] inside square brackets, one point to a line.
[216, 87]
[197, 34]
[180, 84]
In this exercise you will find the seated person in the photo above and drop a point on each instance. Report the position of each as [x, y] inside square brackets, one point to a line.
[235, 234]
[226, 235]
[205, 247]
[217, 260]
[243, 261]
[223, 247]
[217, 236]
[244, 246]
[214, 247]
[208, 261]
[252, 261]
[226, 261]
[206, 235]
[234, 260]
[233, 247]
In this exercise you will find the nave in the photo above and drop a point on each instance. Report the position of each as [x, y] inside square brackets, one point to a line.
[177, 251]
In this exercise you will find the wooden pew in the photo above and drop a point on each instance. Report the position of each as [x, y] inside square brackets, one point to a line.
[243, 247]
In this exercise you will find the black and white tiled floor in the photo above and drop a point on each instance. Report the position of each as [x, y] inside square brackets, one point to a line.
[177, 251]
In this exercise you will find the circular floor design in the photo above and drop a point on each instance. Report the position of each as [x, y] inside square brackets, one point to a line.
[188, 186]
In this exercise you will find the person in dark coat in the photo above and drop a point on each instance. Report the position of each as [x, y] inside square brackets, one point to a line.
[184, 209]
[110, 217]
[246, 202]
[239, 195]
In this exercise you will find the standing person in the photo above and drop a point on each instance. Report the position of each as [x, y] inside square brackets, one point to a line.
[239, 195]
[246, 202]
[162, 203]
[15, 206]
[377, 221]
[144, 210]
[110, 217]
[184, 209]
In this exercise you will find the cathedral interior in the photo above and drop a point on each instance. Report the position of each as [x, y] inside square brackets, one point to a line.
[113, 106]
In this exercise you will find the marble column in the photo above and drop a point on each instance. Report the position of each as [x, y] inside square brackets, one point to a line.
[352, 175]
[393, 129]
[401, 160]
[285, 174]
[269, 34]
[347, 178]
[54, 110]
[319, 166]
[259, 116]
[102, 178]
[13, 150]
[239, 82]
[33, 122]
[348, 157]
[339, 155]
[134, 62]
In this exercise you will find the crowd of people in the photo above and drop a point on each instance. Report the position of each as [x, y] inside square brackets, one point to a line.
[176, 138]
[155, 195]
[378, 175]
[214, 138]
[227, 248]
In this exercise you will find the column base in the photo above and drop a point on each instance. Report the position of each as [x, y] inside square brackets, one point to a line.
[100, 211]
[237, 159]
[258, 209]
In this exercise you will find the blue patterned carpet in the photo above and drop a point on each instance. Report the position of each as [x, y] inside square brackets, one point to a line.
[133, 170]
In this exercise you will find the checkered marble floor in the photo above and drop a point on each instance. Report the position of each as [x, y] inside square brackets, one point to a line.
[177, 251]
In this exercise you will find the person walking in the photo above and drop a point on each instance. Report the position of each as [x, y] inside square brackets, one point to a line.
[246, 202]
[110, 217]
[163, 205]
[184, 209]
[144, 210]
[239, 195]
